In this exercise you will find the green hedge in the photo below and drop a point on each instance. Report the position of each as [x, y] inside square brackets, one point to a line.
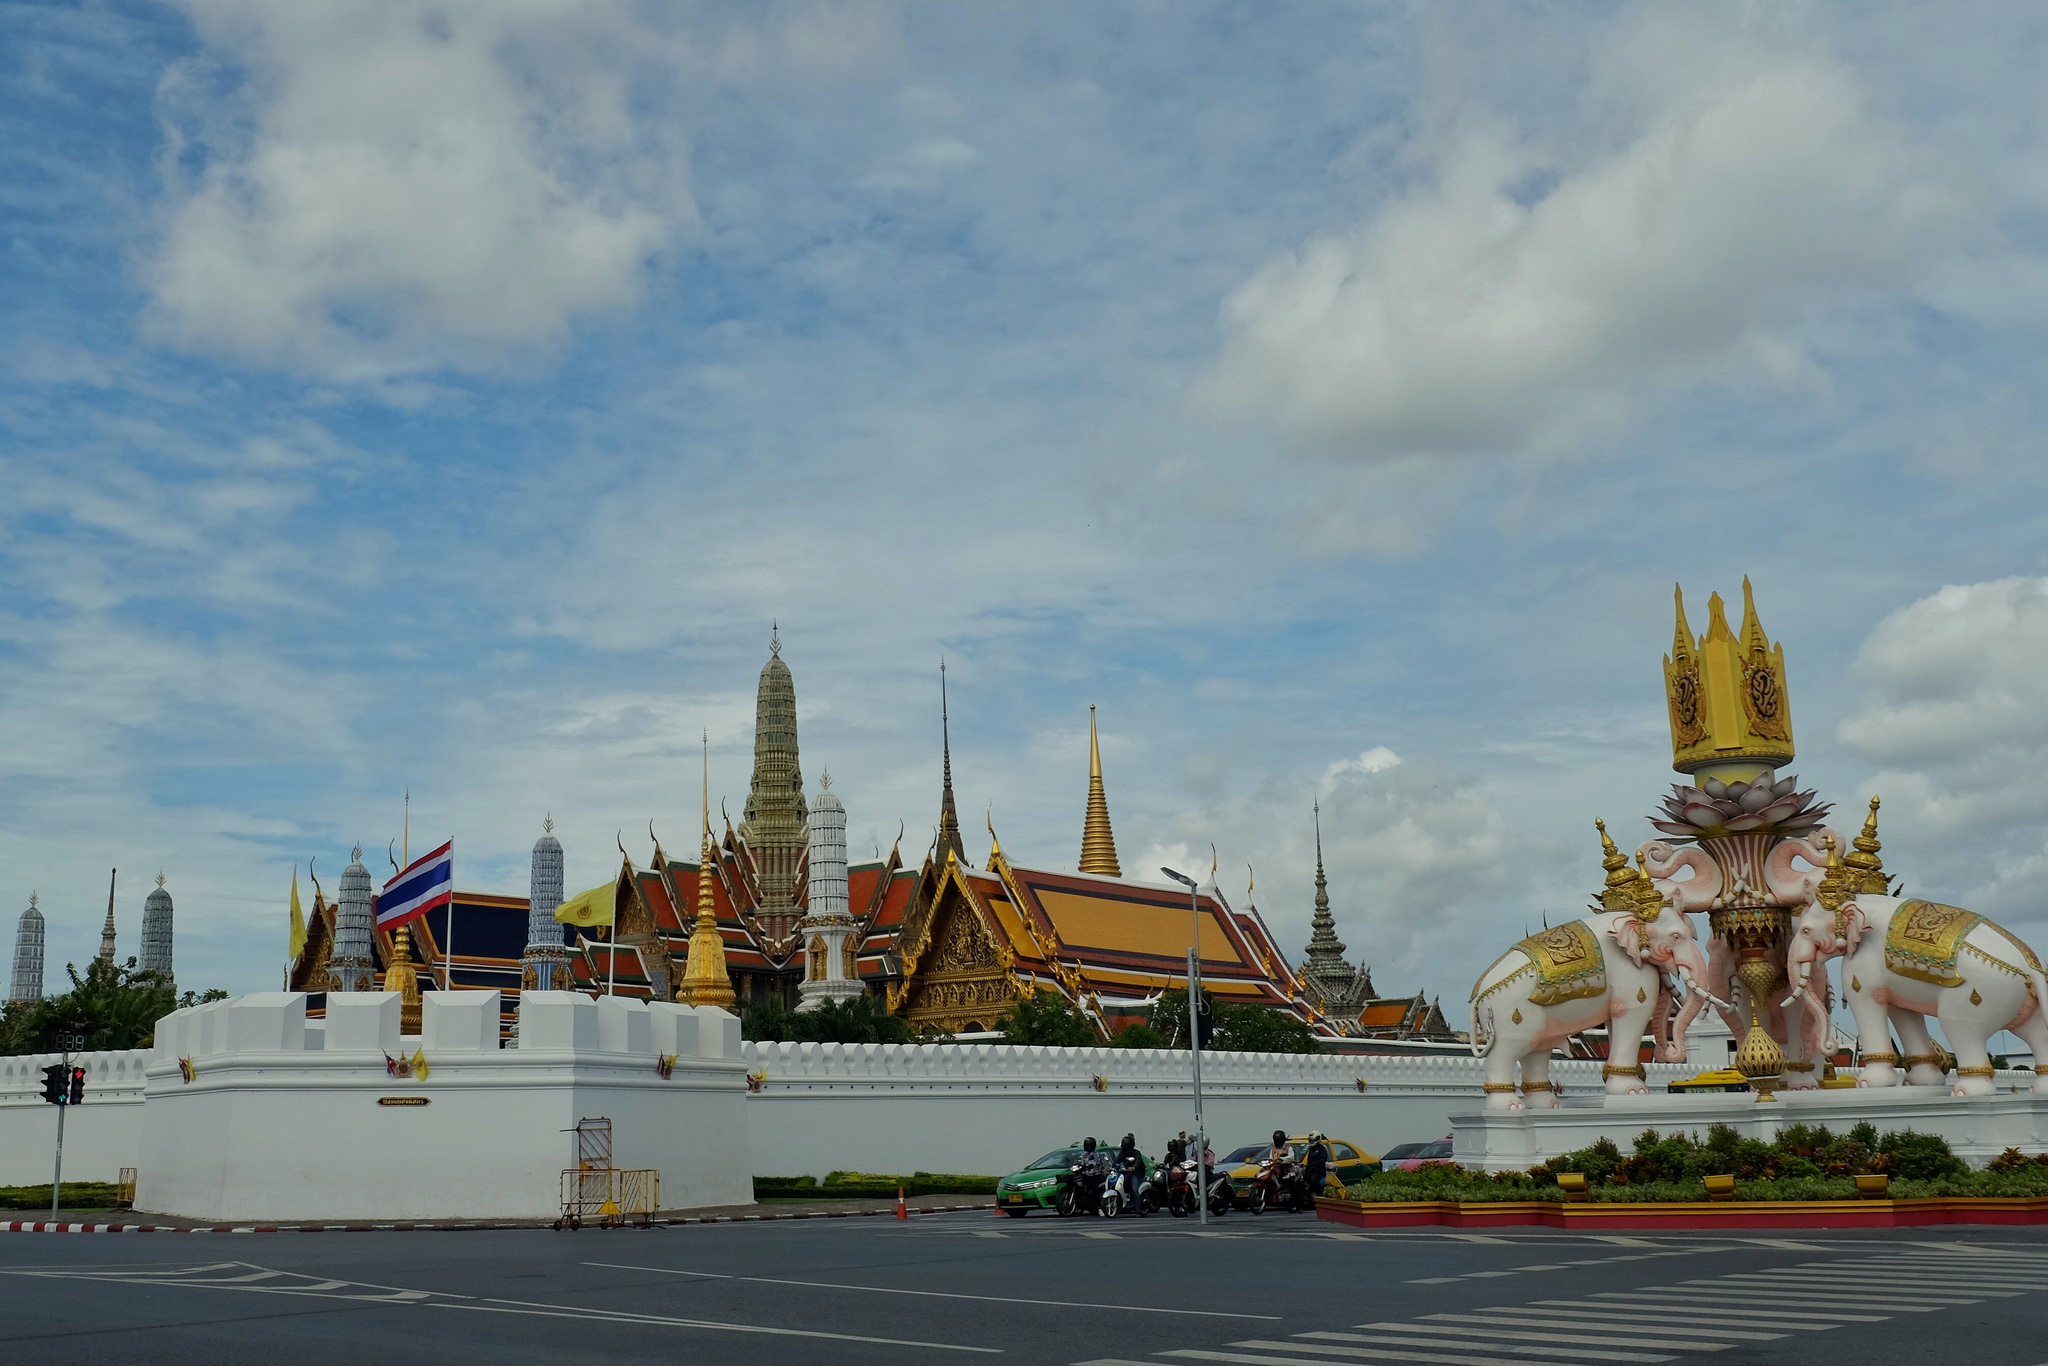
[1805, 1162]
[77, 1195]
[869, 1185]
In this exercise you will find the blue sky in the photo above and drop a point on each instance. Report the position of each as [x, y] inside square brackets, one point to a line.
[449, 397]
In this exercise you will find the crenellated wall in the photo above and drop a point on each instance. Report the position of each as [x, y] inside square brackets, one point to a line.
[280, 1119]
[991, 1108]
[100, 1137]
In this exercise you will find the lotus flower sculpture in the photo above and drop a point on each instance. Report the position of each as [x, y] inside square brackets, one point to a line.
[1716, 808]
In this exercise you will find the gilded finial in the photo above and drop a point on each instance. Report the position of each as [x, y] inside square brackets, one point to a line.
[1838, 883]
[1626, 889]
[159, 878]
[548, 826]
[1250, 880]
[995, 846]
[1098, 842]
[31, 900]
[1867, 863]
[825, 780]
[775, 638]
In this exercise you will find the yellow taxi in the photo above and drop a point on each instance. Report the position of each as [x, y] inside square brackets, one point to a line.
[1349, 1163]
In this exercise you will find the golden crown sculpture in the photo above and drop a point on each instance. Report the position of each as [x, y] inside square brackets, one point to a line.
[1727, 692]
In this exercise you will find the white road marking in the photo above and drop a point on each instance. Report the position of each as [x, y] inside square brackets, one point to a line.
[1436, 1280]
[1201, 1354]
[1821, 1280]
[1712, 1339]
[1715, 1304]
[1543, 1266]
[1599, 1320]
[1478, 1238]
[1518, 1338]
[572, 1311]
[989, 1233]
[1377, 1348]
[1791, 1243]
[1098, 1235]
[943, 1294]
[1621, 1240]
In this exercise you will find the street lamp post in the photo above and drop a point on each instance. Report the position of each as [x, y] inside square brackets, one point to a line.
[1195, 1039]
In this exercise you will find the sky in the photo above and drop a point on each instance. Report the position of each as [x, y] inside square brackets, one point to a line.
[450, 398]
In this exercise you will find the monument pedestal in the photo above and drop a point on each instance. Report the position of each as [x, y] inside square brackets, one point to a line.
[1978, 1128]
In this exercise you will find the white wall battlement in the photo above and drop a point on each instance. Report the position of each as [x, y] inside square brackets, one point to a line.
[100, 1137]
[280, 1120]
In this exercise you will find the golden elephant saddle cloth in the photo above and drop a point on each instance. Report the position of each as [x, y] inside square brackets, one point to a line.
[1924, 938]
[1568, 961]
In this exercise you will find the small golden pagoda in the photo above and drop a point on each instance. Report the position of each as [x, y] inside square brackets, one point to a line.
[705, 979]
[1730, 713]
[399, 976]
[1098, 844]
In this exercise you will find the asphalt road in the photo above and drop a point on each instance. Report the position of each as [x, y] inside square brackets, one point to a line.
[1275, 1291]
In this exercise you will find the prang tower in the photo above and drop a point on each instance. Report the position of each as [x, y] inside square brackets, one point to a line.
[776, 824]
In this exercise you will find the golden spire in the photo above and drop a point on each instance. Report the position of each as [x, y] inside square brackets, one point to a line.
[1098, 844]
[1726, 694]
[400, 977]
[1626, 889]
[995, 846]
[1866, 866]
[705, 979]
[1838, 883]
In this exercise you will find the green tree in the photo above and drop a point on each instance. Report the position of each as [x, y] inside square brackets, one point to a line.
[113, 1005]
[1139, 1035]
[1239, 1028]
[859, 1020]
[1046, 1017]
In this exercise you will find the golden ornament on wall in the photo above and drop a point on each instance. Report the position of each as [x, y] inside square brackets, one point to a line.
[1517, 1016]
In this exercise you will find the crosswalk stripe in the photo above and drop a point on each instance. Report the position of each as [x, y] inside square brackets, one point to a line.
[1529, 1318]
[1831, 1284]
[1871, 1299]
[1987, 1281]
[2025, 1275]
[1403, 1349]
[1525, 1333]
[1205, 1354]
[1710, 1324]
[1709, 1303]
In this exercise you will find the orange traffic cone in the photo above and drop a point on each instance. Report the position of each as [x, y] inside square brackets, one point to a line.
[902, 1210]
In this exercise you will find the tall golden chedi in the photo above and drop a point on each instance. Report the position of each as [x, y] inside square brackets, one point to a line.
[1731, 729]
[776, 825]
[1098, 843]
[706, 982]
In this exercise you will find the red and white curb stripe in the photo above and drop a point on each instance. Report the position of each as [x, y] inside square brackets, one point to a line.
[47, 1226]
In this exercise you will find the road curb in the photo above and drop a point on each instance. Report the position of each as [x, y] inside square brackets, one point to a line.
[47, 1226]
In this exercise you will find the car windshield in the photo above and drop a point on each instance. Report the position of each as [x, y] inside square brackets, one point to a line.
[1246, 1154]
[1401, 1151]
[1062, 1157]
[1440, 1148]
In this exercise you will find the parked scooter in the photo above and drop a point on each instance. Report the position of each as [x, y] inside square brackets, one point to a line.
[1081, 1192]
[1180, 1198]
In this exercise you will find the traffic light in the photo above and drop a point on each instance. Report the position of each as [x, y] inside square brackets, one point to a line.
[1205, 1018]
[53, 1083]
[78, 1086]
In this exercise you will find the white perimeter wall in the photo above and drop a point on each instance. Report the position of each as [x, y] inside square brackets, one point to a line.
[989, 1109]
[100, 1137]
[283, 1122]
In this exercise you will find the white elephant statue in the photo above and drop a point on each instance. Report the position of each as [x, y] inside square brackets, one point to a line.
[1605, 968]
[1799, 1023]
[1908, 959]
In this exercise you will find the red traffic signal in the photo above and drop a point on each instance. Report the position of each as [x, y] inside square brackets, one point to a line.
[77, 1086]
[53, 1083]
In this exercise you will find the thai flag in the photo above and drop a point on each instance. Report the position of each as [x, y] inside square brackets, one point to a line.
[427, 884]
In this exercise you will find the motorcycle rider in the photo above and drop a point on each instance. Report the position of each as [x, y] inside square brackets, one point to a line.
[1281, 1161]
[1130, 1166]
[1094, 1166]
[1315, 1163]
[1177, 1149]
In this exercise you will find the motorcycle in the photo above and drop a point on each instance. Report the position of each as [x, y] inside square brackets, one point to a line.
[1277, 1186]
[1180, 1199]
[1080, 1192]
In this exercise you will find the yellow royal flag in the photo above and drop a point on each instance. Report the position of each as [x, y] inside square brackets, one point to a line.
[419, 1063]
[298, 943]
[588, 909]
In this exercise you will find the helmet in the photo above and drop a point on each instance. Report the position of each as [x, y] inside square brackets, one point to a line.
[1279, 1137]
[1319, 1137]
[1130, 1140]
[1087, 1145]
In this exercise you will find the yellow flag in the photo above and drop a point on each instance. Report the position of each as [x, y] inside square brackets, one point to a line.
[590, 908]
[298, 944]
[419, 1063]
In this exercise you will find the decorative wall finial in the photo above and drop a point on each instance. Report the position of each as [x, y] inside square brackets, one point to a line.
[548, 826]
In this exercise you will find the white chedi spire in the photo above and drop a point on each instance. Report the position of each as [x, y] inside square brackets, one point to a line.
[156, 933]
[545, 964]
[828, 921]
[27, 982]
[352, 965]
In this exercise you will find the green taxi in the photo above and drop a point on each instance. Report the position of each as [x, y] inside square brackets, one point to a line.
[1038, 1185]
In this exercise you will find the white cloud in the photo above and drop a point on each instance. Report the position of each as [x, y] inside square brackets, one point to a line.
[1469, 312]
[1954, 717]
[385, 188]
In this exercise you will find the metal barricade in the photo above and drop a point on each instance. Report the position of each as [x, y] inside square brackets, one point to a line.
[612, 1197]
[125, 1190]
